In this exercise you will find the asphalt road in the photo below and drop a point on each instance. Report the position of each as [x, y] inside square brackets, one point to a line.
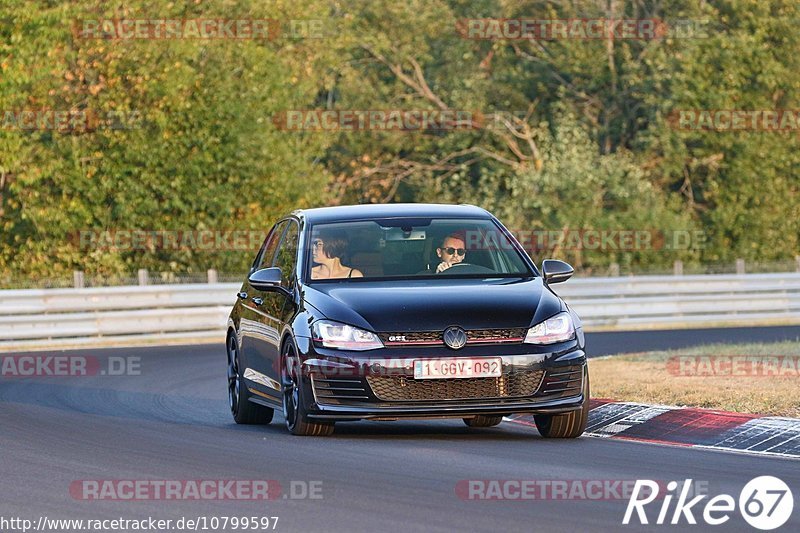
[171, 422]
[614, 342]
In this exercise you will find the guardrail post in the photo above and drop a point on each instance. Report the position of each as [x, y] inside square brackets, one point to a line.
[212, 275]
[613, 270]
[78, 279]
[144, 277]
[797, 260]
[677, 268]
[740, 266]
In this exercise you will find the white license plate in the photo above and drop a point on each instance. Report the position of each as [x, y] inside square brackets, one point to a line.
[462, 367]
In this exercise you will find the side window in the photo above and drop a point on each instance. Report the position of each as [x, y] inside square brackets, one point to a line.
[267, 252]
[287, 254]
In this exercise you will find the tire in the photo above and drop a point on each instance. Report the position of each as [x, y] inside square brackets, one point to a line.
[294, 411]
[483, 421]
[568, 425]
[243, 410]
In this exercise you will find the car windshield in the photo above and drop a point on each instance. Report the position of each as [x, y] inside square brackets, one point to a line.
[407, 248]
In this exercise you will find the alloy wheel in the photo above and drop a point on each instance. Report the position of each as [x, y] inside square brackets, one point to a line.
[233, 375]
[291, 391]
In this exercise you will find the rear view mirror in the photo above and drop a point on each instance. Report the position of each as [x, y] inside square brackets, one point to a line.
[404, 234]
[556, 271]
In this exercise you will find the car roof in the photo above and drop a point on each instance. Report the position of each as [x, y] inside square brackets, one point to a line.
[344, 213]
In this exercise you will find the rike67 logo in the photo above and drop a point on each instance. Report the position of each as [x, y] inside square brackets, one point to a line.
[765, 503]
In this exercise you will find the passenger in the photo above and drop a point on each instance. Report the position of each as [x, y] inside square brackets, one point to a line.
[451, 252]
[327, 250]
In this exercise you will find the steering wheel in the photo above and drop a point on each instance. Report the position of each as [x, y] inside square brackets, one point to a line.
[469, 268]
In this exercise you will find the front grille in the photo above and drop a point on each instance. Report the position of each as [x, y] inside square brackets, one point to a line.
[474, 336]
[406, 389]
[494, 335]
[411, 337]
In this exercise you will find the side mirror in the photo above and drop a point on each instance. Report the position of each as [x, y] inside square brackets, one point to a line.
[266, 279]
[556, 271]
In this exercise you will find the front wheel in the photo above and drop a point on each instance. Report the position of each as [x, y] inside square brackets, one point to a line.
[568, 425]
[243, 410]
[294, 411]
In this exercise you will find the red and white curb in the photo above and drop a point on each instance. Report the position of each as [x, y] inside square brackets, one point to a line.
[691, 427]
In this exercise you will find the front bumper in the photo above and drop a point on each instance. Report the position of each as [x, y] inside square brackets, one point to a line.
[345, 387]
[440, 410]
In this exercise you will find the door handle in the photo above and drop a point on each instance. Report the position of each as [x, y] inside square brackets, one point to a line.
[242, 295]
[257, 300]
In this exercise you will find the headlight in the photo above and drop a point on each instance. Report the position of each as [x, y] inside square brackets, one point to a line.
[344, 337]
[555, 329]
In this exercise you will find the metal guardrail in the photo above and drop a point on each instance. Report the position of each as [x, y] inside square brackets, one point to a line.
[187, 312]
[103, 314]
[654, 301]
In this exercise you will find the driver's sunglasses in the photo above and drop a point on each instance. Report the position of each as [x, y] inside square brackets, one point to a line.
[317, 244]
[450, 250]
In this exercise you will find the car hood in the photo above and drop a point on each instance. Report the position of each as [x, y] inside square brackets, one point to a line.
[429, 305]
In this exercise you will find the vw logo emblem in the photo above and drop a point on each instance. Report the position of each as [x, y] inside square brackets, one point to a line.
[455, 337]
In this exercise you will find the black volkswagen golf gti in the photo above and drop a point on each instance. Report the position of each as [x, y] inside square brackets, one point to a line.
[387, 312]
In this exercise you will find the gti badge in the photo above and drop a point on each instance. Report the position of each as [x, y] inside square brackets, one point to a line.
[455, 337]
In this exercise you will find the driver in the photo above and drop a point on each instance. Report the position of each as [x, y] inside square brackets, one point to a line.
[451, 252]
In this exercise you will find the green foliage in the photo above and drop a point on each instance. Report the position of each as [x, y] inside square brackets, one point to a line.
[579, 189]
[574, 133]
[197, 148]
